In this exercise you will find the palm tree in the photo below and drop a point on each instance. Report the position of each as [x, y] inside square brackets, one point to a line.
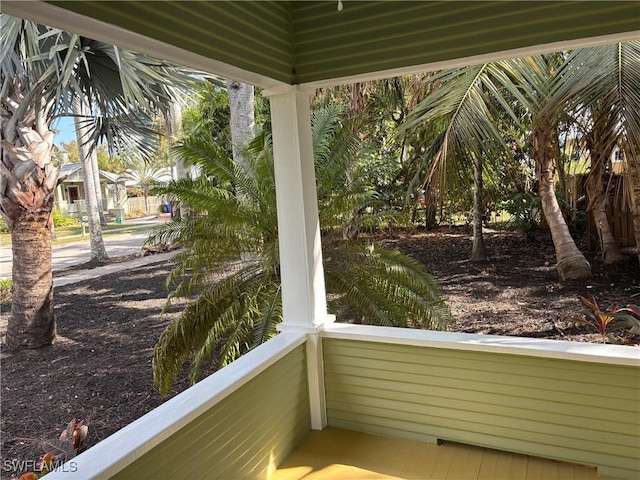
[468, 98]
[145, 174]
[602, 82]
[43, 70]
[229, 266]
[464, 107]
[81, 109]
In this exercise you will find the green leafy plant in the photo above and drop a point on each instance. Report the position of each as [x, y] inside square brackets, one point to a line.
[5, 290]
[62, 220]
[613, 319]
[229, 266]
[60, 450]
[525, 210]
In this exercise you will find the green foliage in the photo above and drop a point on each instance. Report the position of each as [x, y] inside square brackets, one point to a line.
[62, 220]
[525, 210]
[607, 321]
[207, 116]
[4, 228]
[5, 290]
[229, 265]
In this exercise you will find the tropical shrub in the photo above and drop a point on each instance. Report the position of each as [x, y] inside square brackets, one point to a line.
[62, 220]
[58, 451]
[5, 290]
[525, 210]
[229, 265]
[607, 321]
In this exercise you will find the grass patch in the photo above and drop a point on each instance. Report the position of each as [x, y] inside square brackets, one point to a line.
[5, 291]
[111, 228]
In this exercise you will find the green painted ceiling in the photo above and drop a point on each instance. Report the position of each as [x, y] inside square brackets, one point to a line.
[300, 42]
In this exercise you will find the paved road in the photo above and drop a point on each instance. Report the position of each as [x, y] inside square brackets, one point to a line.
[68, 254]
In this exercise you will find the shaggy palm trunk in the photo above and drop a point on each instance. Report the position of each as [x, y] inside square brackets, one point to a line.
[27, 186]
[478, 253]
[98, 250]
[32, 323]
[598, 208]
[570, 262]
[601, 143]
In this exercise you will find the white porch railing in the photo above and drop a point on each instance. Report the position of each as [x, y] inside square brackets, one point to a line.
[561, 400]
[567, 401]
[220, 424]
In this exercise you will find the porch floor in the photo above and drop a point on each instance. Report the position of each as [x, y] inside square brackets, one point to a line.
[340, 454]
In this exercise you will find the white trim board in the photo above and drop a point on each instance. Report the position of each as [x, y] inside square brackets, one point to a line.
[534, 347]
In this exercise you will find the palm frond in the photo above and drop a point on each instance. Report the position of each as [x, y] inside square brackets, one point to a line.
[220, 321]
[385, 287]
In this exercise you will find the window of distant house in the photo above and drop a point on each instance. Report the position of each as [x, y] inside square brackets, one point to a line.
[617, 156]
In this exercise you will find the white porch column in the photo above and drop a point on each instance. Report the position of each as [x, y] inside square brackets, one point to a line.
[303, 293]
[303, 290]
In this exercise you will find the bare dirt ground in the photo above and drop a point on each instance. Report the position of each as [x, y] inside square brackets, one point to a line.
[100, 367]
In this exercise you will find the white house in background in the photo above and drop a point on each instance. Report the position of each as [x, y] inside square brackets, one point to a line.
[618, 161]
[70, 195]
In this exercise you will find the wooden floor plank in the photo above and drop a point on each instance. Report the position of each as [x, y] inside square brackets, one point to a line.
[444, 461]
[487, 470]
[518, 469]
[551, 470]
[461, 463]
[422, 466]
[335, 454]
[565, 470]
[503, 466]
[535, 468]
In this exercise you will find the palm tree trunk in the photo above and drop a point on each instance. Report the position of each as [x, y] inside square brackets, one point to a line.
[32, 322]
[95, 170]
[174, 129]
[27, 187]
[241, 104]
[598, 208]
[478, 252]
[601, 143]
[570, 262]
[98, 250]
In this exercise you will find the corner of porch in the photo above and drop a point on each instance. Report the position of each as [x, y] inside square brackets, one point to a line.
[398, 403]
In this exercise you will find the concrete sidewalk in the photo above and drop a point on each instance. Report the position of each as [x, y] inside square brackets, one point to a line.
[81, 275]
[76, 252]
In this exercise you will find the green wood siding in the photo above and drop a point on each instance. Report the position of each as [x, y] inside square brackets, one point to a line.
[581, 412]
[254, 428]
[300, 42]
[375, 36]
[254, 36]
